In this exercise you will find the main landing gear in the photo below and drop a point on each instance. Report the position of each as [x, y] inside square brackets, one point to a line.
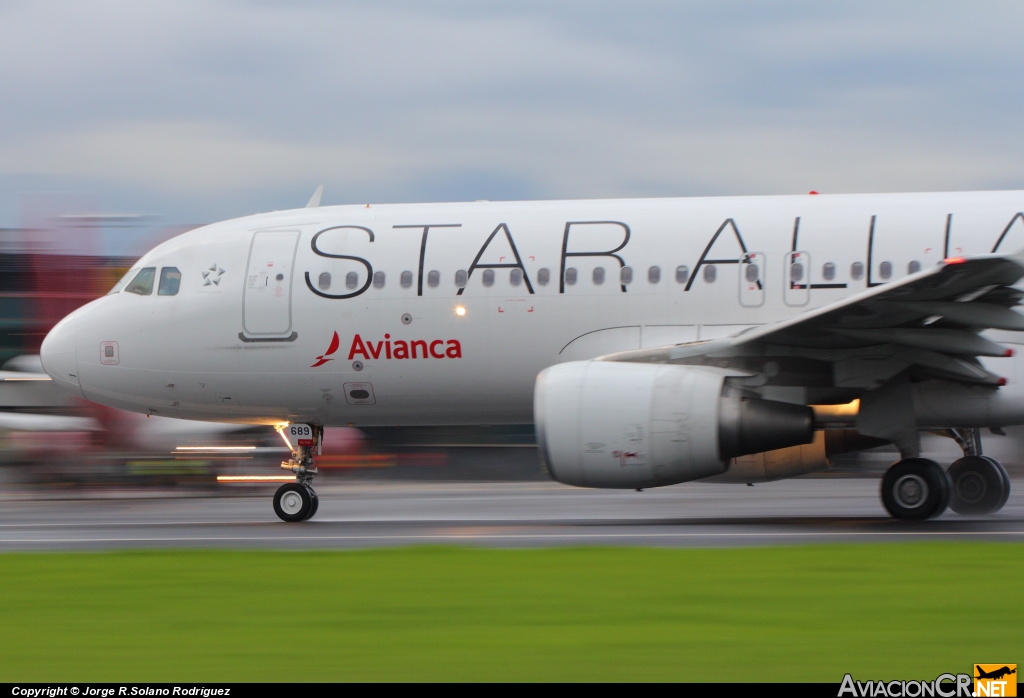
[918, 488]
[297, 501]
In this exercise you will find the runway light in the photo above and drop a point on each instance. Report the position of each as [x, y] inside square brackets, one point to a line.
[460, 310]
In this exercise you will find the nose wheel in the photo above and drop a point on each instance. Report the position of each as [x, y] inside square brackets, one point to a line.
[295, 502]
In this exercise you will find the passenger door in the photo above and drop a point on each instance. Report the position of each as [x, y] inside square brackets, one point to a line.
[267, 304]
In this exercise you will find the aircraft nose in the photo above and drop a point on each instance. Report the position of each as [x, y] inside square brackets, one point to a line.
[59, 356]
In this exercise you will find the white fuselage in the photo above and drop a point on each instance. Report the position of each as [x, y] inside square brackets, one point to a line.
[247, 335]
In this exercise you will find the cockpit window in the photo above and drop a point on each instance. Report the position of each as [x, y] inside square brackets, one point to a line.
[142, 284]
[170, 281]
[120, 284]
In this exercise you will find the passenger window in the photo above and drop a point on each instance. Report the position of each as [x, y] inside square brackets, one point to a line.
[488, 277]
[598, 276]
[405, 280]
[142, 284]
[626, 276]
[654, 275]
[857, 271]
[570, 275]
[378, 279]
[324, 280]
[828, 272]
[752, 273]
[683, 274]
[433, 278]
[796, 272]
[885, 270]
[543, 276]
[914, 267]
[515, 277]
[710, 273]
[461, 278]
[351, 279]
[170, 282]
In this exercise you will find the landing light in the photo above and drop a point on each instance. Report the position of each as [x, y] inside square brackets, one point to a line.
[460, 310]
[280, 429]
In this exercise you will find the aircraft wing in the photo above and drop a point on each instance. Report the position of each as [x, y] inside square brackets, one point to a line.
[928, 323]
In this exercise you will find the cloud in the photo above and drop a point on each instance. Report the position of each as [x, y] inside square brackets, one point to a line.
[215, 107]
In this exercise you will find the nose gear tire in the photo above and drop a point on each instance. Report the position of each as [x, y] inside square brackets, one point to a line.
[293, 502]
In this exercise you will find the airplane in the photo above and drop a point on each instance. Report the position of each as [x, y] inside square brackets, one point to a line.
[994, 674]
[650, 341]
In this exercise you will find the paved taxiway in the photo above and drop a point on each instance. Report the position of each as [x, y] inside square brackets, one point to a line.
[372, 514]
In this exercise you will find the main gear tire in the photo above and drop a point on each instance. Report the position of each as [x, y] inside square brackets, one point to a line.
[980, 485]
[915, 489]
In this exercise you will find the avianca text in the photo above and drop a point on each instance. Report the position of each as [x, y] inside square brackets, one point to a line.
[403, 349]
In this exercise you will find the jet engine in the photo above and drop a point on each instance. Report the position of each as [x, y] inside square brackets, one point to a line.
[617, 424]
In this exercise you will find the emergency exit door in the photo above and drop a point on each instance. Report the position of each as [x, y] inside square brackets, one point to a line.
[267, 305]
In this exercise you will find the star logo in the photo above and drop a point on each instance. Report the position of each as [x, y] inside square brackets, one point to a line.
[211, 276]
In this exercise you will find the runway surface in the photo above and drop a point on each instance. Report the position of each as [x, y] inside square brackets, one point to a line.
[375, 514]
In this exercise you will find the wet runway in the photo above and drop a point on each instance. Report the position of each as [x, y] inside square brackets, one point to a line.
[365, 514]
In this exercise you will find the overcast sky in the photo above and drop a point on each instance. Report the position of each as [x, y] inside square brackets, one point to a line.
[200, 111]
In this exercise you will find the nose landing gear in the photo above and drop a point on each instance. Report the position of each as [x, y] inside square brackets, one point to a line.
[297, 501]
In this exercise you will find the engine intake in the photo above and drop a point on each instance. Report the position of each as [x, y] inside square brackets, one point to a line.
[625, 425]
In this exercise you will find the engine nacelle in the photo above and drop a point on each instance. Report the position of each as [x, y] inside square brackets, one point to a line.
[617, 424]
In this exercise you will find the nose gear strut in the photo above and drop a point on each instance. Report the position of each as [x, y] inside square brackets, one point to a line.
[297, 501]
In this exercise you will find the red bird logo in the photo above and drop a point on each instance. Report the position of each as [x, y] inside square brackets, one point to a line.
[322, 359]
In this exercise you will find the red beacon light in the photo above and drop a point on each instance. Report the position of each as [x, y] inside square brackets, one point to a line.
[812, 193]
[955, 260]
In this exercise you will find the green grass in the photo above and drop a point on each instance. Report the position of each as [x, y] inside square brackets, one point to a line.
[764, 614]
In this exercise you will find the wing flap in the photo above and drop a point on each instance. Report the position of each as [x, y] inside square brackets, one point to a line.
[967, 313]
[937, 339]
